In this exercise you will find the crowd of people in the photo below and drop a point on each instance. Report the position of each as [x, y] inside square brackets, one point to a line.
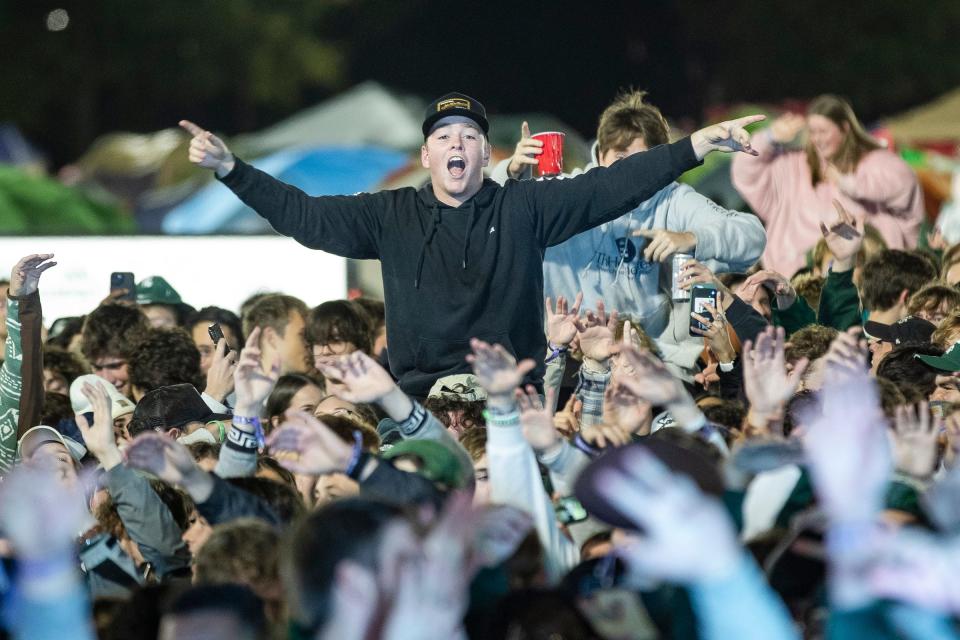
[535, 434]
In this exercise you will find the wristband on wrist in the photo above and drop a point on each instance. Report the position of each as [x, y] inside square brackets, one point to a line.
[501, 419]
[257, 428]
[355, 455]
[726, 367]
[358, 467]
[555, 352]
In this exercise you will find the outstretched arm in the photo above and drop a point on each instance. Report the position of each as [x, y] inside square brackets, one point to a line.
[346, 226]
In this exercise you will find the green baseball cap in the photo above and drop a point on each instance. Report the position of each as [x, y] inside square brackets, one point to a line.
[436, 462]
[949, 361]
[156, 290]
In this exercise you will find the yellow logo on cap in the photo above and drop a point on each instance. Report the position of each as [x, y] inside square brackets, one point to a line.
[453, 103]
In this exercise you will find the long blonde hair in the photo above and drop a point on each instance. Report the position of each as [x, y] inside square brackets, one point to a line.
[856, 141]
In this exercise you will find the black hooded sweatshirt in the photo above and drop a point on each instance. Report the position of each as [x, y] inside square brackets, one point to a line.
[455, 273]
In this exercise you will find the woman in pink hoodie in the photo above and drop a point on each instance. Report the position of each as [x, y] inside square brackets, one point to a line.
[792, 190]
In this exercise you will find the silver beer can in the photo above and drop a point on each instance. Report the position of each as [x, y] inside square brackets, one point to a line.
[679, 259]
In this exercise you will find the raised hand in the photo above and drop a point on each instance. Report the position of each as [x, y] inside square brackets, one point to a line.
[41, 515]
[360, 378]
[782, 289]
[170, 461]
[694, 272]
[526, 152]
[725, 137]
[562, 322]
[25, 275]
[99, 437]
[848, 451]
[496, 369]
[650, 379]
[687, 537]
[914, 566]
[718, 338]
[663, 244]
[207, 150]
[787, 127]
[536, 419]
[605, 435]
[765, 380]
[567, 420]
[303, 444]
[623, 408]
[844, 238]
[915, 434]
[847, 357]
[220, 375]
[595, 334]
[251, 382]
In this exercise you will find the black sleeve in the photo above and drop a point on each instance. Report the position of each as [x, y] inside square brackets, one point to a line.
[731, 383]
[227, 502]
[389, 484]
[347, 226]
[745, 320]
[563, 208]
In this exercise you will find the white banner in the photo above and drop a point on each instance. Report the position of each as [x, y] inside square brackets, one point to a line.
[206, 270]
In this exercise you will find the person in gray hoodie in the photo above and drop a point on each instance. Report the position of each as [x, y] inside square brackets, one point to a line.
[625, 261]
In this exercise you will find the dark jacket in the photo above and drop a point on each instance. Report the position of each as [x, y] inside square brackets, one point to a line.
[839, 306]
[450, 274]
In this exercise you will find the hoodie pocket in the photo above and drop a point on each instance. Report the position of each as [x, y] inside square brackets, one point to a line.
[441, 356]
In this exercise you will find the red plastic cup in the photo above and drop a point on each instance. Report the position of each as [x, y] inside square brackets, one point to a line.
[550, 162]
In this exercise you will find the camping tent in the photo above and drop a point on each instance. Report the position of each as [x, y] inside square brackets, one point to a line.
[935, 122]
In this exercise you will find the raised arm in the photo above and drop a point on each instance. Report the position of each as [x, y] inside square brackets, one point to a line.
[564, 208]
[758, 179]
[347, 226]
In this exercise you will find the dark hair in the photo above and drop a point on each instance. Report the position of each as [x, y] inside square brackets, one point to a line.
[139, 617]
[247, 304]
[56, 407]
[931, 296]
[348, 529]
[902, 369]
[811, 342]
[728, 413]
[539, 613]
[285, 501]
[112, 330]
[268, 463]
[627, 118]
[287, 386]
[891, 396]
[223, 317]
[244, 551]
[63, 330]
[889, 273]
[375, 310]
[344, 426]
[163, 357]
[201, 450]
[340, 321]
[856, 141]
[64, 362]
[272, 311]
[802, 403]
[237, 600]
[443, 406]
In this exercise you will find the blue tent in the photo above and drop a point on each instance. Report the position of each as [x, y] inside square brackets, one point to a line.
[317, 171]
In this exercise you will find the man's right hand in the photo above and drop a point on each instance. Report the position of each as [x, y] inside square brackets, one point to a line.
[207, 150]
[525, 154]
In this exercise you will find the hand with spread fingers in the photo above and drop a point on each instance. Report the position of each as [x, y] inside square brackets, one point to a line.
[170, 461]
[562, 321]
[623, 408]
[207, 150]
[595, 334]
[496, 369]
[251, 382]
[536, 419]
[663, 244]
[99, 437]
[25, 275]
[361, 378]
[567, 420]
[915, 434]
[525, 155]
[605, 434]
[844, 238]
[303, 444]
[766, 382]
[687, 536]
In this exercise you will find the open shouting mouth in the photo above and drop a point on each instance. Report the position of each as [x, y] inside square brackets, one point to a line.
[456, 165]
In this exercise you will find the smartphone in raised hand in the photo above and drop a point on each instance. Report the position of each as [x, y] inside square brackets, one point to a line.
[216, 334]
[700, 296]
[123, 281]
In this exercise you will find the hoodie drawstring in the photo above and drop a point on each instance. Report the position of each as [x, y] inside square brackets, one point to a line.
[466, 238]
[432, 231]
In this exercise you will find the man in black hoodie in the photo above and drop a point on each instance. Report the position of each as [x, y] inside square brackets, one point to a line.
[462, 257]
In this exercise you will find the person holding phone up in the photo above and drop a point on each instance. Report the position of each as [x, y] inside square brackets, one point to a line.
[462, 257]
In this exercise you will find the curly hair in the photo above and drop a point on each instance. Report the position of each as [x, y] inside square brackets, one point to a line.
[472, 410]
[162, 357]
[244, 551]
[811, 342]
[112, 330]
[66, 363]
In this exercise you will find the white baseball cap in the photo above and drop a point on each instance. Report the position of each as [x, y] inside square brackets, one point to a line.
[121, 404]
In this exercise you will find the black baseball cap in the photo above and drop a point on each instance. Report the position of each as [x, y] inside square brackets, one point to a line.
[909, 329]
[455, 104]
[172, 406]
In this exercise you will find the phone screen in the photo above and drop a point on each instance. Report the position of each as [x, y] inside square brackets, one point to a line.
[123, 280]
[700, 296]
[216, 334]
[569, 510]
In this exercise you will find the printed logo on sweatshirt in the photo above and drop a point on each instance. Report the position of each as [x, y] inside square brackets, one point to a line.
[627, 259]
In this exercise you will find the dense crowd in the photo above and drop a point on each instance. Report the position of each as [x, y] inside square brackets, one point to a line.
[544, 431]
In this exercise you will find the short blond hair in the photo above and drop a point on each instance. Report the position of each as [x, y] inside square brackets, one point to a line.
[627, 118]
